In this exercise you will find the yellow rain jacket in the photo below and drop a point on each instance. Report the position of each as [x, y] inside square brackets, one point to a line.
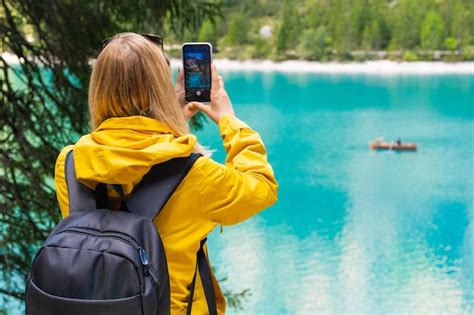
[121, 150]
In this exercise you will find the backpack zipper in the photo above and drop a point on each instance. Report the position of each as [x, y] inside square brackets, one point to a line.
[147, 269]
[142, 254]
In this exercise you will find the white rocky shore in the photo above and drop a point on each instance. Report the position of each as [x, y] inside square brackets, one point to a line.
[380, 67]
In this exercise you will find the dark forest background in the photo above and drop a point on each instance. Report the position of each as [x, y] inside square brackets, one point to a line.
[43, 107]
[341, 30]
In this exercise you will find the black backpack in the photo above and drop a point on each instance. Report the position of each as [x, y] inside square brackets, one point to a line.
[101, 261]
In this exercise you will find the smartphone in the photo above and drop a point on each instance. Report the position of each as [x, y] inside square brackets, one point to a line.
[197, 59]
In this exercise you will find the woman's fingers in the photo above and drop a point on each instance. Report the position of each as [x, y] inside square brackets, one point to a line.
[215, 78]
[197, 106]
[207, 109]
[189, 111]
[179, 87]
[180, 78]
[221, 83]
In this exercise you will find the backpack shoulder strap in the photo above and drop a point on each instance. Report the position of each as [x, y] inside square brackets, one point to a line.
[157, 186]
[202, 265]
[81, 197]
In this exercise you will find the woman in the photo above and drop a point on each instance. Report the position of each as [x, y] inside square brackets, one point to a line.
[138, 121]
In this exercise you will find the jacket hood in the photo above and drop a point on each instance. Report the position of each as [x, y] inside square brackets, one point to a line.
[121, 150]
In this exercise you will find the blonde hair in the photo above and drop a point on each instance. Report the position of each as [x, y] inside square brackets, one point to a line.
[131, 77]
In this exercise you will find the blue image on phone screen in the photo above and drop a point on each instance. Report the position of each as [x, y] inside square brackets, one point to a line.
[197, 72]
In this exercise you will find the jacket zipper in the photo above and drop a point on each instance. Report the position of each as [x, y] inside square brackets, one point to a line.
[142, 254]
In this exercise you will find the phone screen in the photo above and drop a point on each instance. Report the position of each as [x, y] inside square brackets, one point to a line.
[197, 72]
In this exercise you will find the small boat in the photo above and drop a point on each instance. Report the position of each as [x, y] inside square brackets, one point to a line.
[380, 144]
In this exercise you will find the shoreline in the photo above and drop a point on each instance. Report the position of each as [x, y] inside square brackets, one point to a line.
[378, 67]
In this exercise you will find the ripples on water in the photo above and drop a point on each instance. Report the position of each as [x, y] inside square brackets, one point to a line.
[355, 231]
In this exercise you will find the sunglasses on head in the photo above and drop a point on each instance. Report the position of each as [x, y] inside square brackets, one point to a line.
[156, 39]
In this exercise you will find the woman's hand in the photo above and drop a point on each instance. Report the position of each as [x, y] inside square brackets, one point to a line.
[220, 102]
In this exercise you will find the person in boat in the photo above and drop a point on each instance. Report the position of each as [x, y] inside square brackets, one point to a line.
[398, 142]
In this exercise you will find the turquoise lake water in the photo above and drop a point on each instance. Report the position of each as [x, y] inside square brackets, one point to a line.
[355, 231]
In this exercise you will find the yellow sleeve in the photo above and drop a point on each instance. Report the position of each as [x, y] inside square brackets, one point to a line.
[236, 191]
[60, 181]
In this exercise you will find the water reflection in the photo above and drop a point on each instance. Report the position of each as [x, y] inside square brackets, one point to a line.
[356, 231]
